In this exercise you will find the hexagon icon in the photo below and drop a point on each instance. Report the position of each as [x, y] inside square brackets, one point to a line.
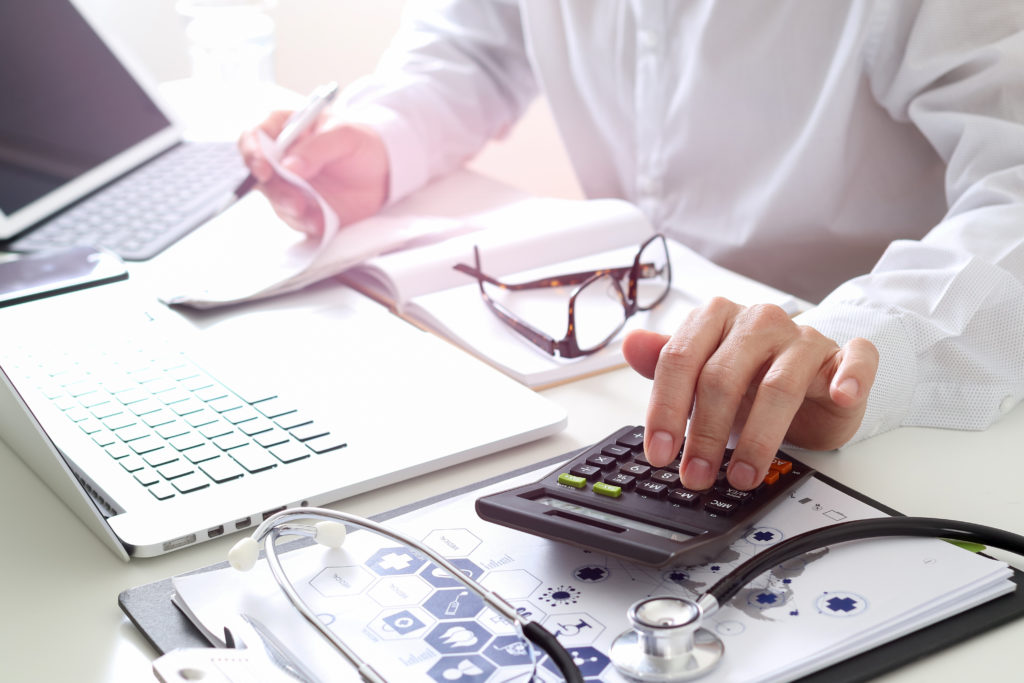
[574, 628]
[392, 624]
[391, 561]
[454, 603]
[392, 591]
[511, 584]
[508, 651]
[527, 610]
[340, 581]
[452, 542]
[471, 669]
[591, 661]
[458, 637]
[442, 579]
[500, 626]
[495, 623]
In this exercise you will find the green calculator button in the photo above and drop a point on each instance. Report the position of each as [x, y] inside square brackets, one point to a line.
[607, 489]
[572, 480]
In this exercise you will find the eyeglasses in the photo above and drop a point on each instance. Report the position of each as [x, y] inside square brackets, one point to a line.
[599, 306]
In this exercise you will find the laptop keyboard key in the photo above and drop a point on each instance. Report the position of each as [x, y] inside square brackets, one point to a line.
[230, 441]
[324, 444]
[161, 490]
[193, 481]
[274, 407]
[221, 469]
[272, 437]
[307, 432]
[290, 451]
[173, 470]
[253, 459]
[160, 457]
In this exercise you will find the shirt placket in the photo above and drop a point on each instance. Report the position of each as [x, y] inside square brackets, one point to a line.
[649, 107]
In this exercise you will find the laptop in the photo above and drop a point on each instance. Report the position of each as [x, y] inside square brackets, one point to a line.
[88, 153]
[162, 429]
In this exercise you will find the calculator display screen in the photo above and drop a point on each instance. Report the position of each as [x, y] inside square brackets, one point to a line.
[612, 518]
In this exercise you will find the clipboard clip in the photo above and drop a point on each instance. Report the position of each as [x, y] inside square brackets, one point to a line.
[251, 653]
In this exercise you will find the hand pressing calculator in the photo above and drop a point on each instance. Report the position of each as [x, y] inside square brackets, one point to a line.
[610, 499]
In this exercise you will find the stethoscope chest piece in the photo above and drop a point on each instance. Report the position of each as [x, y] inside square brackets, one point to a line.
[666, 642]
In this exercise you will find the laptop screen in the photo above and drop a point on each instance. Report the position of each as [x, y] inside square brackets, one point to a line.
[74, 117]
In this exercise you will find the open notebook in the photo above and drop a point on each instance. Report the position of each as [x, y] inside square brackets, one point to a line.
[404, 258]
[161, 430]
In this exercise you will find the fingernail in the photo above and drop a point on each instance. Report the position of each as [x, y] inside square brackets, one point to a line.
[659, 449]
[742, 476]
[697, 474]
[849, 387]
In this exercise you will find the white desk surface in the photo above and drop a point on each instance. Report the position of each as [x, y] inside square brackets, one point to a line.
[59, 585]
[61, 621]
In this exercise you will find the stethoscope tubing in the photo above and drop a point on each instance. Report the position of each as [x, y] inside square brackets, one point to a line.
[285, 523]
[932, 527]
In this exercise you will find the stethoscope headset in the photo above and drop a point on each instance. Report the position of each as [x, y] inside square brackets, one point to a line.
[666, 641]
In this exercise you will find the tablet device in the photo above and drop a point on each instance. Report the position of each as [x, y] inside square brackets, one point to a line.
[42, 274]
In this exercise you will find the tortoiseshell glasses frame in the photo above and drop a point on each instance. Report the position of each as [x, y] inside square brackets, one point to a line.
[651, 262]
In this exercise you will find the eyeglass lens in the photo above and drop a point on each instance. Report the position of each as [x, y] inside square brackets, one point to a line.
[655, 277]
[601, 307]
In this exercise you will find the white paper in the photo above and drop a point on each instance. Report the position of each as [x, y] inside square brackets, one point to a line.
[247, 252]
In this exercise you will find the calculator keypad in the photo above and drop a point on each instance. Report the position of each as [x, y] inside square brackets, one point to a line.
[620, 467]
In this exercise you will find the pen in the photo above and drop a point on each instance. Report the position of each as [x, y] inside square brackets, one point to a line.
[298, 123]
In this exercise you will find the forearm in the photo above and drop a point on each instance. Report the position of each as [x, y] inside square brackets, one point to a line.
[451, 80]
[947, 326]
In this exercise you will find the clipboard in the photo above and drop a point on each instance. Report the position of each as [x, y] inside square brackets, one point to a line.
[150, 609]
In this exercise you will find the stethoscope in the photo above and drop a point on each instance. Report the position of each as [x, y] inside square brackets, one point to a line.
[666, 641]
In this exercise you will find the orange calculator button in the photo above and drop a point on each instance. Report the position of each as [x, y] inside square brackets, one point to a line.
[771, 477]
[781, 466]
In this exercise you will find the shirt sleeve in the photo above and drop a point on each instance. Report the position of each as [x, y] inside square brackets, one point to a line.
[947, 312]
[455, 76]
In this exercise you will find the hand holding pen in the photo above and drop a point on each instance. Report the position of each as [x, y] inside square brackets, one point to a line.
[298, 123]
[345, 162]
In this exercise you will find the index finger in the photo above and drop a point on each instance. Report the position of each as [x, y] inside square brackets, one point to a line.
[675, 377]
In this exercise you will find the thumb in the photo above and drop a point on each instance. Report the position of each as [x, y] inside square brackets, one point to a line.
[306, 157]
[641, 348]
[855, 374]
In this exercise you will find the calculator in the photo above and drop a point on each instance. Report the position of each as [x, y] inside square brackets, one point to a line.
[608, 498]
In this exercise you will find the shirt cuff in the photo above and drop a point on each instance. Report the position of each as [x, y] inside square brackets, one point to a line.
[407, 159]
[893, 391]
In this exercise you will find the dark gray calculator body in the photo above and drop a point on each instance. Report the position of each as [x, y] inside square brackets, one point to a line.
[609, 499]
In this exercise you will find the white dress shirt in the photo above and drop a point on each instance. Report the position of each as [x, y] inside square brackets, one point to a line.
[867, 154]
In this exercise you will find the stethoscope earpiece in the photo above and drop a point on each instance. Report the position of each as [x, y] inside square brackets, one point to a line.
[666, 642]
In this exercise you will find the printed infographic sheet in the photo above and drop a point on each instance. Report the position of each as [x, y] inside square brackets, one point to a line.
[413, 622]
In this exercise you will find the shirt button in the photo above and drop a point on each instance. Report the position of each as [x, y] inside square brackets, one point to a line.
[1007, 404]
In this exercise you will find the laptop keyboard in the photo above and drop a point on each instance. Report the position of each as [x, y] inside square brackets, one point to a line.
[174, 428]
[147, 210]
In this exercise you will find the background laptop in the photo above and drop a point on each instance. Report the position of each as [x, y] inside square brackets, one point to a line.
[88, 154]
[358, 397]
